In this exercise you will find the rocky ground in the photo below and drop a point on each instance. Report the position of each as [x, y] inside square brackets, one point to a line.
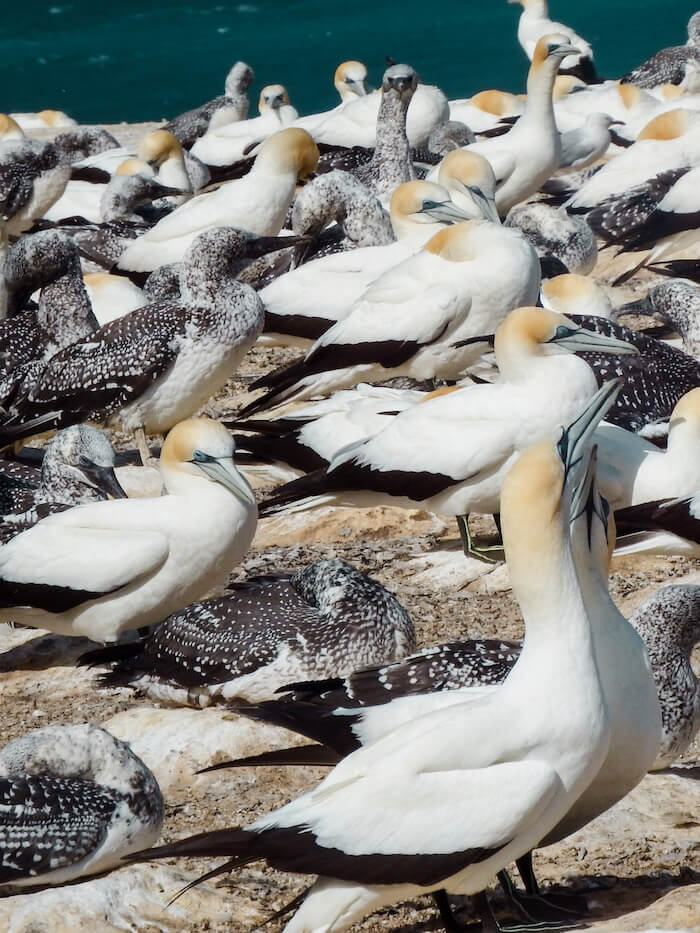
[638, 865]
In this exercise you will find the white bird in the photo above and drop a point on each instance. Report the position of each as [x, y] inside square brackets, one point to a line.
[258, 203]
[350, 81]
[462, 284]
[305, 302]
[486, 109]
[470, 182]
[100, 569]
[225, 144]
[576, 294]
[74, 801]
[662, 526]
[354, 828]
[451, 453]
[535, 23]
[583, 146]
[112, 296]
[53, 119]
[529, 154]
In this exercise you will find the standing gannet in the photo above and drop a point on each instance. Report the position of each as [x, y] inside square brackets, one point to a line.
[33, 175]
[227, 143]
[322, 621]
[554, 233]
[669, 66]
[257, 203]
[350, 81]
[389, 822]
[677, 303]
[583, 146]
[102, 568]
[576, 294]
[529, 154]
[461, 284]
[305, 302]
[450, 453]
[159, 364]
[74, 801]
[230, 107]
[535, 23]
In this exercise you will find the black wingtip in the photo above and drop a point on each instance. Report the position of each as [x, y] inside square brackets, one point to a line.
[302, 755]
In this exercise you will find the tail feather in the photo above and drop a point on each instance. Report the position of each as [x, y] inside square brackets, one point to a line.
[110, 653]
[312, 720]
[283, 757]
[236, 843]
[318, 483]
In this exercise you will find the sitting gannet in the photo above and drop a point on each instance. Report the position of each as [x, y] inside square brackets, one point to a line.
[462, 284]
[350, 81]
[102, 568]
[677, 303]
[669, 65]
[530, 153]
[571, 293]
[319, 622]
[486, 109]
[535, 23]
[258, 203]
[75, 801]
[43, 119]
[224, 144]
[553, 232]
[231, 107]
[386, 823]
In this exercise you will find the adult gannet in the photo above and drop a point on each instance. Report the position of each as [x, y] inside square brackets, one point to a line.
[43, 119]
[230, 107]
[33, 175]
[469, 180]
[576, 294]
[486, 109]
[554, 233]
[112, 296]
[305, 302]
[350, 81]
[355, 828]
[257, 203]
[460, 285]
[102, 568]
[159, 364]
[529, 154]
[322, 621]
[535, 23]
[669, 65]
[663, 526]
[225, 144]
[542, 385]
[75, 801]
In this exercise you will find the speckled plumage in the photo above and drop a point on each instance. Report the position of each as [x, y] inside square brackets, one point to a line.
[678, 304]
[32, 176]
[73, 801]
[230, 107]
[669, 65]
[553, 232]
[84, 142]
[322, 621]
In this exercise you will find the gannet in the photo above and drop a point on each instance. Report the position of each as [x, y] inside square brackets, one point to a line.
[534, 23]
[554, 233]
[583, 146]
[53, 119]
[225, 144]
[305, 302]
[461, 444]
[576, 294]
[678, 304]
[529, 154]
[484, 110]
[231, 107]
[78, 467]
[257, 203]
[33, 175]
[669, 65]
[663, 526]
[112, 296]
[102, 568]
[360, 807]
[159, 364]
[350, 81]
[75, 801]
[322, 621]
[83, 142]
[461, 284]
[469, 180]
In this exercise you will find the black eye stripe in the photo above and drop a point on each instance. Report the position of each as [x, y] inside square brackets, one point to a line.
[198, 456]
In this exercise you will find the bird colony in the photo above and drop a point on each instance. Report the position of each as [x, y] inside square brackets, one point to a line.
[246, 360]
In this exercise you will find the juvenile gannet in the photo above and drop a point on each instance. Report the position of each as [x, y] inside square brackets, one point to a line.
[225, 144]
[669, 65]
[678, 304]
[83, 142]
[450, 453]
[159, 364]
[355, 828]
[554, 233]
[350, 81]
[322, 621]
[102, 568]
[529, 154]
[257, 203]
[461, 284]
[534, 23]
[576, 294]
[33, 175]
[305, 302]
[583, 146]
[230, 107]
[75, 801]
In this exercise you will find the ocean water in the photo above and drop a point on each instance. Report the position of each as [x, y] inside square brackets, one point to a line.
[147, 60]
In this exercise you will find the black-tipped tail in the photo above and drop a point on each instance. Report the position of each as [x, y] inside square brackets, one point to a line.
[284, 757]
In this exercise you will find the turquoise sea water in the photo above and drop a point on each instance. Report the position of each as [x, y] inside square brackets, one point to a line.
[155, 58]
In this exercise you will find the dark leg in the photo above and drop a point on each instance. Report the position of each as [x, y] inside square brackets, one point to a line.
[573, 905]
[497, 523]
[449, 920]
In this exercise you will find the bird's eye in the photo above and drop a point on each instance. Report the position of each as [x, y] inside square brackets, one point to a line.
[429, 205]
[561, 332]
[198, 456]
[84, 461]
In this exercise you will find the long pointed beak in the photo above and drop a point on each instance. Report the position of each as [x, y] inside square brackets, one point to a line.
[447, 213]
[224, 471]
[262, 245]
[585, 498]
[580, 340]
[576, 435]
[105, 479]
[641, 306]
[569, 49]
[486, 205]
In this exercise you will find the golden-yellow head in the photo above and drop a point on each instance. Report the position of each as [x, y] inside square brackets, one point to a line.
[272, 97]
[293, 150]
[669, 125]
[158, 146]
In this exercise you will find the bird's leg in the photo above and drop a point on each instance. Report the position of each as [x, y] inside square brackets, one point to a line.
[470, 549]
[143, 448]
[573, 905]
